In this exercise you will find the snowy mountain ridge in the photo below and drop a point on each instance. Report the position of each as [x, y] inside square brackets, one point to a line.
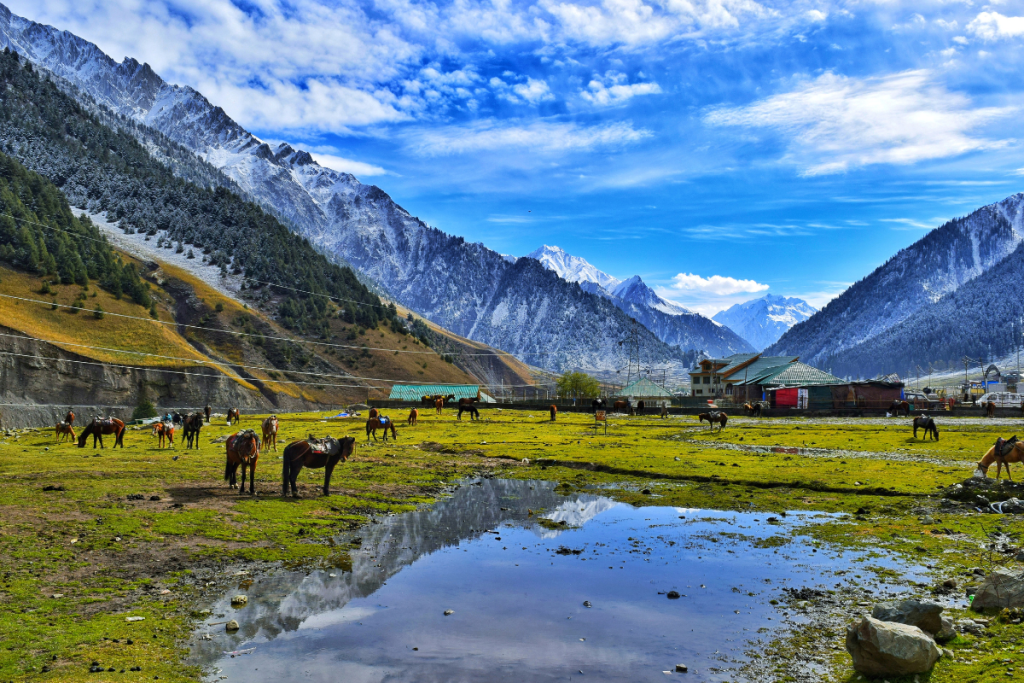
[572, 268]
[762, 321]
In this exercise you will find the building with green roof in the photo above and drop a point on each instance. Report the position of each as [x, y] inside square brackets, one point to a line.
[644, 388]
[416, 392]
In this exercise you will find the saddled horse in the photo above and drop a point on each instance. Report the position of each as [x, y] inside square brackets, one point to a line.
[719, 417]
[553, 410]
[64, 429]
[178, 419]
[97, 428]
[598, 404]
[898, 407]
[207, 410]
[1002, 453]
[270, 432]
[164, 430]
[190, 430]
[755, 409]
[414, 416]
[234, 416]
[373, 413]
[474, 414]
[928, 425]
[315, 454]
[70, 417]
[243, 448]
[640, 407]
[380, 422]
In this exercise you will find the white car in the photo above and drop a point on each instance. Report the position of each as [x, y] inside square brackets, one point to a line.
[1003, 399]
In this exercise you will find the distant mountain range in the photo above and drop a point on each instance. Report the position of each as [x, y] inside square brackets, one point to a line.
[669, 321]
[762, 321]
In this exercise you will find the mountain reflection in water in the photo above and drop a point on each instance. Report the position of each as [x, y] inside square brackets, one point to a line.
[517, 604]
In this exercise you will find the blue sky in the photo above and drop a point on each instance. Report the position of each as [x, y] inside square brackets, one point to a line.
[720, 149]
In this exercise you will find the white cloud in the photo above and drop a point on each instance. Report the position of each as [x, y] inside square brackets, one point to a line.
[993, 26]
[816, 15]
[960, 40]
[533, 91]
[908, 224]
[356, 168]
[539, 136]
[614, 89]
[836, 122]
[716, 284]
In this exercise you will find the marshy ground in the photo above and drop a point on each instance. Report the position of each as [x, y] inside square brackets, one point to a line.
[89, 538]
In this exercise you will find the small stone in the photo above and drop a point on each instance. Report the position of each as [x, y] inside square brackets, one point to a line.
[131, 619]
[231, 626]
[449, 611]
[681, 668]
[239, 600]
[586, 603]
[57, 596]
[672, 595]
[165, 592]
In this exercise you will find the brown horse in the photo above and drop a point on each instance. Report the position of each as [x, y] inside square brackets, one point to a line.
[438, 405]
[373, 413]
[898, 407]
[191, 427]
[990, 409]
[712, 418]
[164, 430]
[1016, 455]
[70, 417]
[207, 410]
[381, 422]
[270, 432]
[243, 448]
[97, 428]
[928, 425]
[64, 429]
[414, 416]
[621, 407]
[754, 409]
[553, 409]
[234, 416]
[314, 454]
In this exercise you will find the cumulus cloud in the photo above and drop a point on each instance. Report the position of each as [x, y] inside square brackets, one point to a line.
[614, 88]
[538, 136]
[716, 284]
[994, 26]
[836, 122]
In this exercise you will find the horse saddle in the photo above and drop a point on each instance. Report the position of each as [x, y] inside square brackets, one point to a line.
[105, 422]
[322, 446]
[384, 421]
[1005, 446]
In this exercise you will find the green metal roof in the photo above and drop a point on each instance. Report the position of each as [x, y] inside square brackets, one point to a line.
[798, 375]
[762, 367]
[415, 392]
[644, 387]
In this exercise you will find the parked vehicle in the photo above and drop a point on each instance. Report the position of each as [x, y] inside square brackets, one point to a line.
[1003, 399]
[920, 400]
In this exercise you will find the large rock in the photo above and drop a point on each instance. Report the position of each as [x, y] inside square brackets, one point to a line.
[1001, 588]
[924, 614]
[885, 648]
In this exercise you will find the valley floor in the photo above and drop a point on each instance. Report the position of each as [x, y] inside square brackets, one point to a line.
[91, 537]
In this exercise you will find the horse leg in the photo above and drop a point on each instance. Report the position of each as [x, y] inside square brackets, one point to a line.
[327, 479]
[241, 487]
[252, 478]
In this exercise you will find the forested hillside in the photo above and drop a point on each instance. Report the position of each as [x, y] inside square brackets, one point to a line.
[106, 170]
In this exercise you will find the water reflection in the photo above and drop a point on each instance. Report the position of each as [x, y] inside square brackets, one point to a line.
[517, 590]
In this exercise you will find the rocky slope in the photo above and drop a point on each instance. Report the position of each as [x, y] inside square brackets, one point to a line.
[762, 321]
[466, 288]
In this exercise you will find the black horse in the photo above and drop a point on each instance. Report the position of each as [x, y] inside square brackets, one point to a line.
[193, 423]
[598, 404]
[928, 425]
[474, 414]
[315, 454]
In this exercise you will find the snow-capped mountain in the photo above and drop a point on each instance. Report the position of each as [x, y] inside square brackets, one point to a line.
[517, 306]
[572, 268]
[670, 322]
[762, 321]
[935, 266]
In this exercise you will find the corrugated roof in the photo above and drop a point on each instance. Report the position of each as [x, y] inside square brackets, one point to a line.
[799, 375]
[762, 367]
[644, 387]
[406, 392]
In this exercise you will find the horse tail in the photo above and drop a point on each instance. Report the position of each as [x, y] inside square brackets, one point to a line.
[286, 466]
[227, 469]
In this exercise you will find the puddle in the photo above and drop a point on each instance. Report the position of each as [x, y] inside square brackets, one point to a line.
[837, 453]
[517, 592]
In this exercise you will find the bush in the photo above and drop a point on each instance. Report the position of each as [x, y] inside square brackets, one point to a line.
[98, 312]
[144, 409]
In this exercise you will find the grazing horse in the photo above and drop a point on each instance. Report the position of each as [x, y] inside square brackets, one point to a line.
[63, 429]
[193, 423]
[234, 415]
[898, 407]
[990, 409]
[439, 404]
[97, 428]
[70, 417]
[164, 430]
[928, 425]
[640, 407]
[373, 413]
[474, 414]
[314, 454]
[598, 404]
[243, 448]
[712, 418]
[1001, 459]
[380, 422]
[207, 410]
[414, 416]
[553, 409]
[270, 432]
